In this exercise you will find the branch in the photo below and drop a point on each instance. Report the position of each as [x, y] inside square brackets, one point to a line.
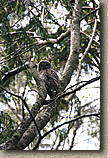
[23, 128]
[89, 37]
[77, 89]
[86, 51]
[25, 106]
[42, 119]
[17, 53]
[40, 83]
[67, 122]
[93, 11]
[23, 131]
[73, 91]
[72, 61]
[52, 41]
[14, 72]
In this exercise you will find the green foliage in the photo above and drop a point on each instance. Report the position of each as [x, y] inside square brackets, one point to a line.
[38, 23]
[7, 126]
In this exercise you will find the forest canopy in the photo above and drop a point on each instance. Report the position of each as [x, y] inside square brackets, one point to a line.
[66, 34]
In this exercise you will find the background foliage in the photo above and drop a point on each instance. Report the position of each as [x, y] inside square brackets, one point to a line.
[23, 25]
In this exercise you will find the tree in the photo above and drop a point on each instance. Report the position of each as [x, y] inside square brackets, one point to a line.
[66, 33]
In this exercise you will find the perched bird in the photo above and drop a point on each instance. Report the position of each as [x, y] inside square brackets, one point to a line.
[49, 76]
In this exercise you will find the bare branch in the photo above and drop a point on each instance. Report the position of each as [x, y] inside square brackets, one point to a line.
[74, 90]
[14, 72]
[93, 11]
[27, 130]
[25, 106]
[72, 61]
[27, 120]
[42, 119]
[89, 37]
[73, 120]
[86, 51]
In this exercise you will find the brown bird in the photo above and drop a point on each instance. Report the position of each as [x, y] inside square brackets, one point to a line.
[49, 76]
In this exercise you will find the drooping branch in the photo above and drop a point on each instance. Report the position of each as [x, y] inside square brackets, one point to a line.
[67, 122]
[43, 118]
[93, 11]
[77, 88]
[14, 72]
[25, 104]
[26, 132]
[48, 41]
[86, 51]
[25, 135]
[34, 111]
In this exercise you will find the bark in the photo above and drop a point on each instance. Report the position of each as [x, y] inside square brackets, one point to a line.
[72, 61]
[42, 119]
[39, 102]
[26, 133]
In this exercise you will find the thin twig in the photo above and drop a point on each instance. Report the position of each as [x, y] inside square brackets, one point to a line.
[93, 11]
[72, 91]
[86, 51]
[23, 100]
[89, 37]
[67, 122]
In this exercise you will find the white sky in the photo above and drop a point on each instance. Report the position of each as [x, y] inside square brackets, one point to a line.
[60, 15]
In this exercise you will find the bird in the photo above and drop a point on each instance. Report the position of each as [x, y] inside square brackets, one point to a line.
[49, 76]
